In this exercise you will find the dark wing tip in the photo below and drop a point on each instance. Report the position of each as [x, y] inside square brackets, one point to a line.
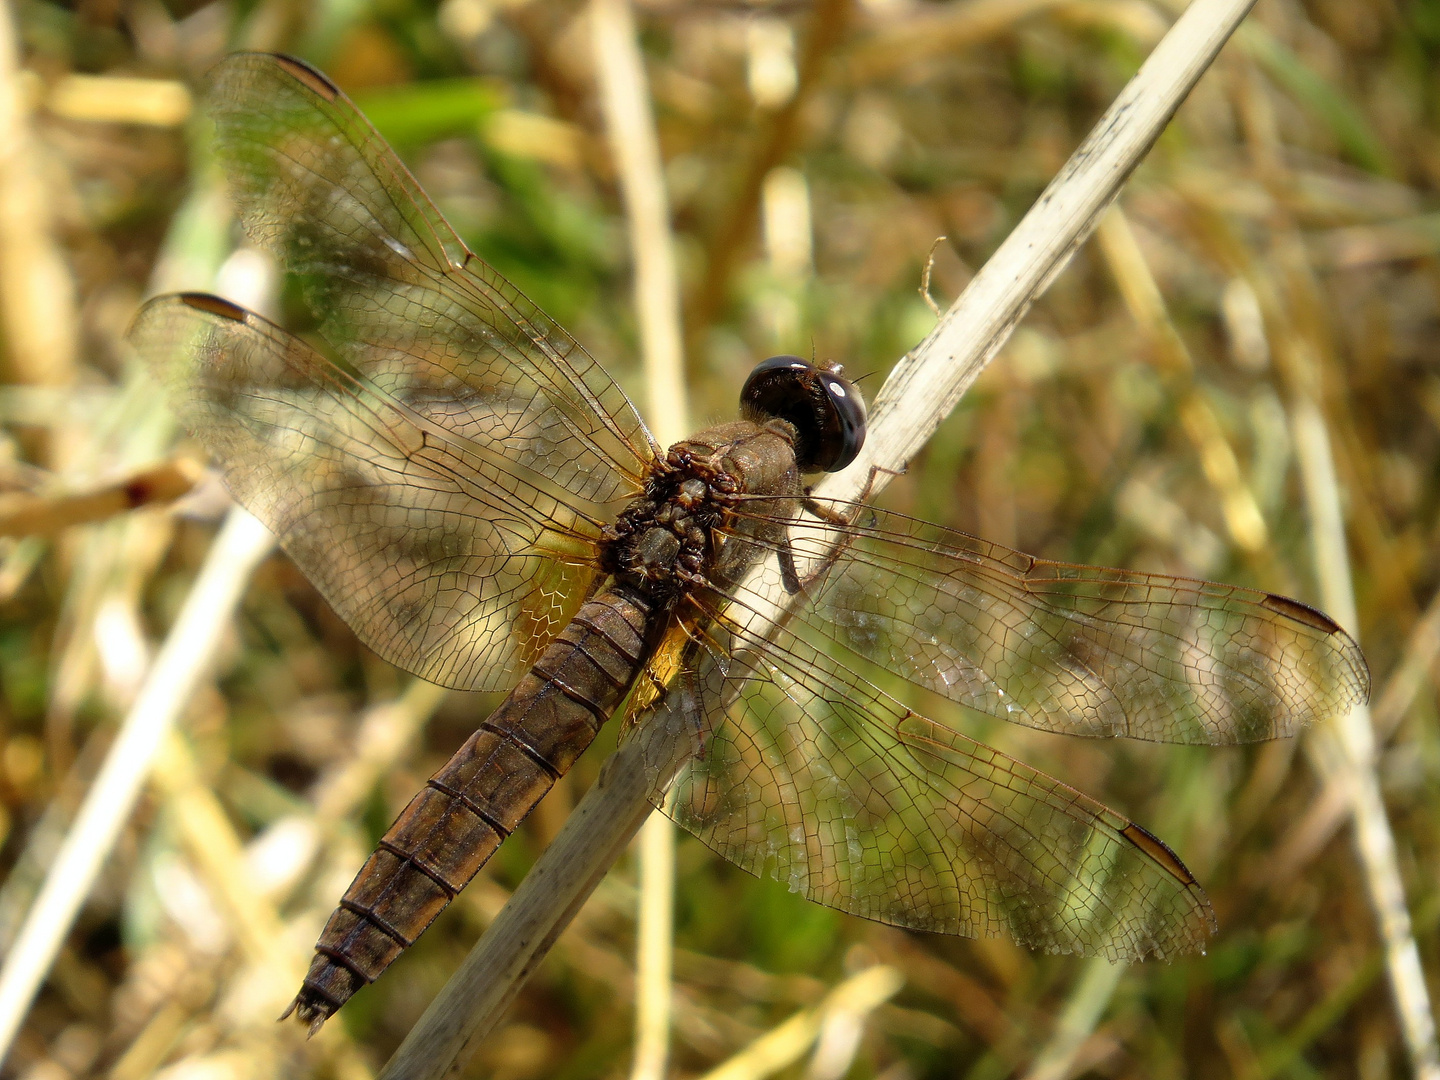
[1159, 851]
[1357, 690]
[1187, 934]
[309, 76]
[213, 305]
[1301, 613]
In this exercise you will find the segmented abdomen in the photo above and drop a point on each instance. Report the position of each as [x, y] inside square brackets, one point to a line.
[449, 830]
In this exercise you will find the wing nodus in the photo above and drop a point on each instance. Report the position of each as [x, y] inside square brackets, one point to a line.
[457, 821]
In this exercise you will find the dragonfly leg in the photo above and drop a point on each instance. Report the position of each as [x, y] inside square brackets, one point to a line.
[789, 574]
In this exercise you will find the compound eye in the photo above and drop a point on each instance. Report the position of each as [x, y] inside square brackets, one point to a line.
[824, 407]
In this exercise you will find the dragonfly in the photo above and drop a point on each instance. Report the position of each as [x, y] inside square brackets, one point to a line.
[478, 499]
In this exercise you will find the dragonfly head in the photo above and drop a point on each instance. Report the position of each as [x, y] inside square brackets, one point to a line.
[824, 407]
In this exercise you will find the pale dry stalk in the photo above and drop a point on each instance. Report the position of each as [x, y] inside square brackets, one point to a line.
[37, 290]
[182, 662]
[1354, 738]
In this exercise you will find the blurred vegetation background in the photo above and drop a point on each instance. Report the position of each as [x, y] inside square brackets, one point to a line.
[1286, 227]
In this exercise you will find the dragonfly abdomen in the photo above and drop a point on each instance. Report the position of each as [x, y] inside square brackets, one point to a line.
[457, 821]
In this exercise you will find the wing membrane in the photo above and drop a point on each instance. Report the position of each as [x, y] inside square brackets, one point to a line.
[445, 562]
[1075, 649]
[814, 777]
[397, 293]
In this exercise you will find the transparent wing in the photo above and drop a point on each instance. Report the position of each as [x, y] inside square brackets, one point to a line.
[446, 559]
[397, 293]
[811, 775]
[1075, 649]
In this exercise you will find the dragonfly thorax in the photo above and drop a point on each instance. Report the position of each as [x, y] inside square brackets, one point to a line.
[660, 541]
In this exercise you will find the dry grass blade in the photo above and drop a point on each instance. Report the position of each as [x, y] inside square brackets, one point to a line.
[924, 386]
[852, 1000]
[177, 670]
[104, 99]
[1329, 807]
[1217, 458]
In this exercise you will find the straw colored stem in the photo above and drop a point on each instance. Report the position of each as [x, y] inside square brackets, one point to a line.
[37, 291]
[630, 126]
[1331, 805]
[925, 385]
[1147, 307]
[183, 661]
[1354, 737]
[949, 29]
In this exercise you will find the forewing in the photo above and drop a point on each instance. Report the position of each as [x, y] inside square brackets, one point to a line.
[812, 776]
[397, 293]
[1076, 649]
[444, 561]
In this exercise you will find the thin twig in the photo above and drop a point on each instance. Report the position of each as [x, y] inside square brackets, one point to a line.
[630, 125]
[46, 515]
[923, 388]
[925, 278]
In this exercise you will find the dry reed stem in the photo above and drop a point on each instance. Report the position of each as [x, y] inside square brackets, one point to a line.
[1344, 750]
[928, 381]
[922, 389]
[630, 128]
[634, 146]
[178, 668]
[1355, 738]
